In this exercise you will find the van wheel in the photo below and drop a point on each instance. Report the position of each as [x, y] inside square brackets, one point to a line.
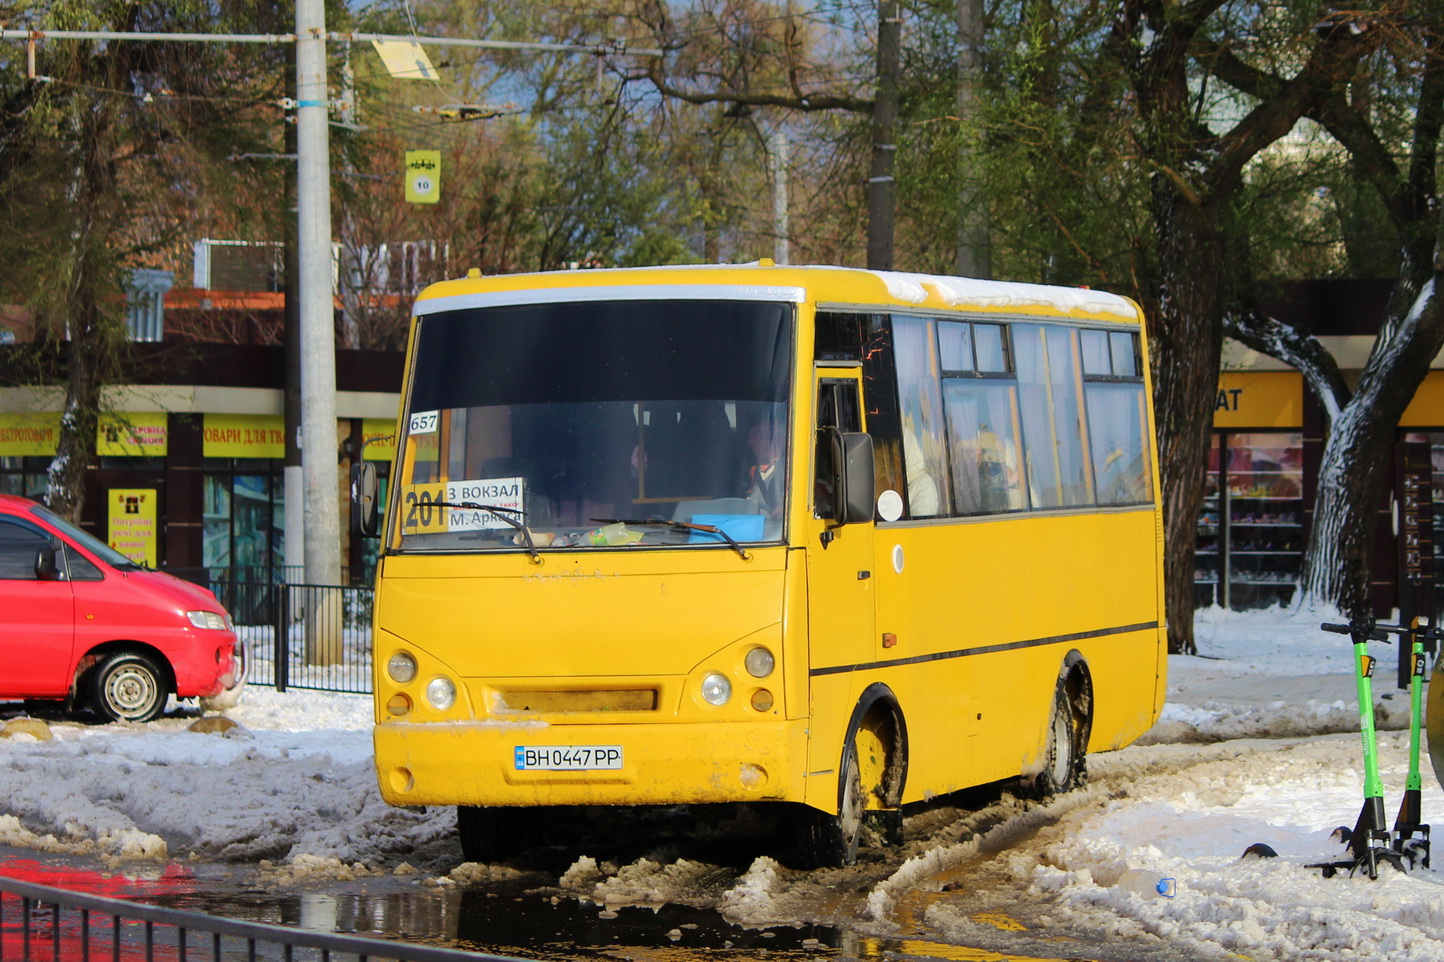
[833, 840]
[1063, 757]
[127, 686]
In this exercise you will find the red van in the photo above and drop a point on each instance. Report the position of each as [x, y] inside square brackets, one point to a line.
[83, 624]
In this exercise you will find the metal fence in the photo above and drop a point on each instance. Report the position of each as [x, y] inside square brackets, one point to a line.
[296, 635]
[43, 923]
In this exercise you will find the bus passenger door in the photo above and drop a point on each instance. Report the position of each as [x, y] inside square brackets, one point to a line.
[839, 590]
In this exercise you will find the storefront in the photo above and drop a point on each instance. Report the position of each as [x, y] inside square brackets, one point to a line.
[191, 477]
[1251, 529]
[1261, 481]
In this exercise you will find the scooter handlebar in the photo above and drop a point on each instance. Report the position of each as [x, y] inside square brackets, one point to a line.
[1372, 632]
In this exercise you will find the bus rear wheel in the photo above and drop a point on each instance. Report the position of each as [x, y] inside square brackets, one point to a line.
[1063, 755]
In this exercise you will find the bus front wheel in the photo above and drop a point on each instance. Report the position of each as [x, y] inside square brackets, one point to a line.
[494, 834]
[833, 840]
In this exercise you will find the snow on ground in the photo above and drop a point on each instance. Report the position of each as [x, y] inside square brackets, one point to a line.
[1258, 743]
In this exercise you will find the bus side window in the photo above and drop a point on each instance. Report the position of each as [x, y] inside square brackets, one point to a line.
[837, 407]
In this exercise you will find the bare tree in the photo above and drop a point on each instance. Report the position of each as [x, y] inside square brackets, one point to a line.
[1358, 448]
[1196, 173]
[102, 146]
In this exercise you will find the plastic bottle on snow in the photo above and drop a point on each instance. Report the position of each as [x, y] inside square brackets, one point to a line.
[1147, 884]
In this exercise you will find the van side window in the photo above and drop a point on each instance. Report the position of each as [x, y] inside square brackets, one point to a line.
[80, 567]
[18, 546]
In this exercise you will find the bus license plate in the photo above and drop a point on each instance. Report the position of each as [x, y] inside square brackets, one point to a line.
[568, 758]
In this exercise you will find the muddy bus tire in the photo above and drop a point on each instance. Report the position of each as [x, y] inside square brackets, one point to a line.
[1063, 755]
[493, 834]
[830, 841]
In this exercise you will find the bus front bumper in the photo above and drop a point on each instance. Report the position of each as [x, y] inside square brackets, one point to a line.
[493, 763]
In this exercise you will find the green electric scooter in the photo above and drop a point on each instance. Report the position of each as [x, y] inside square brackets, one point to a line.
[1411, 835]
[1371, 842]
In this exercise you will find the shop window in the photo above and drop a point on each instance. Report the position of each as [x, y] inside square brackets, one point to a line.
[1250, 540]
[1208, 549]
[243, 518]
[24, 476]
[1435, 440]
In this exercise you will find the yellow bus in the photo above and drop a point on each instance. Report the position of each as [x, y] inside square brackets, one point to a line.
[836, 539]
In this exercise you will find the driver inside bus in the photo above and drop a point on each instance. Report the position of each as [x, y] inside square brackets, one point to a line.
[764, 477]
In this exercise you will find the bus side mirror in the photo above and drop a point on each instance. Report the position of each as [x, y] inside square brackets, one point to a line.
[856, 482]
[46, 567]
[364, 515]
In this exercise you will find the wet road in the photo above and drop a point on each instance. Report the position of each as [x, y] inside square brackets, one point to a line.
[541, 907]
[509, 919]
[658, 889]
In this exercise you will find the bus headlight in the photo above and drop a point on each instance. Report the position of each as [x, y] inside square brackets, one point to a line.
[759, 662]
[441, 693]
[401, 667]
[716, 689]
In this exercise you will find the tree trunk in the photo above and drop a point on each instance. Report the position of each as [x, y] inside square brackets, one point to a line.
[1185, 339]
[92, 322]
[1358, 452]
[974, 253]
[75, 446]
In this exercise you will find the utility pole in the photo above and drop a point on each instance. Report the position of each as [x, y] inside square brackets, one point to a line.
[318, 320]
[293, 476]
[881, 187]
[781, 252]
[319, 529]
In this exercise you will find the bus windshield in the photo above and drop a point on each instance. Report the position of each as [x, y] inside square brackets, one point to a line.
[552, 423]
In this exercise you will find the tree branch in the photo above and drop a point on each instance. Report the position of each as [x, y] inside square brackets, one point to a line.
[1253, 328]
[798, 101]
[1282, 102]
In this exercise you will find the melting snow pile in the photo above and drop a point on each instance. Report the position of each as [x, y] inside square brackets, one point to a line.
[293, 786]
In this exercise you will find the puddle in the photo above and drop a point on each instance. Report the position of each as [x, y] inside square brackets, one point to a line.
[495, 920]
[532, 926]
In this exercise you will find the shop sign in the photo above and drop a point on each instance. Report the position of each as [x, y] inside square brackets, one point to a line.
[132, 524]
[373, 431]
[29, 433]
[244, 436]
[136, 435]
[1259, 399]
[1427, 408]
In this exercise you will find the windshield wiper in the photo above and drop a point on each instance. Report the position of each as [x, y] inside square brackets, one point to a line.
[680, 526]
[500, 513]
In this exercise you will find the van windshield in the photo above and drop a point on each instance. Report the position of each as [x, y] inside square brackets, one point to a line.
[568, 417]
[86, 540]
